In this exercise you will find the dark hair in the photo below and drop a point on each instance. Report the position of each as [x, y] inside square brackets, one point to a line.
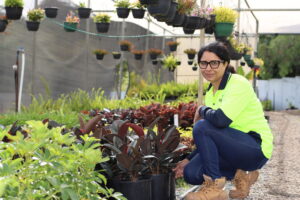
[217, 48]
[231, 69]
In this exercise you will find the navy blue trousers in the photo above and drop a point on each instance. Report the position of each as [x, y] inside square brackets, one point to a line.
[220, 152]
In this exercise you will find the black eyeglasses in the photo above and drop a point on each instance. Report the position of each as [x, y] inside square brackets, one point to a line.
[214, 64]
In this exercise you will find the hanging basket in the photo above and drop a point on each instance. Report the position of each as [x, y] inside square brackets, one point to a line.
[102, 27]
[99, 56]
[161, 8]
[84, 13]
[148, 2]
[223, 29]
[70, 27]
[138, 56]
[177, 21]
[117, 56]
[154, 62]
[32, 26]
[3, 25]
[51, 12]
[13, 13]
[188, 31]
[190, 62]
[138, 13]
[191, 56]
[124, 47]
[123, 12]
[192, 22]
[153, 56]
[173, 47]
[194, 68]
[170, 15]
[247, 57]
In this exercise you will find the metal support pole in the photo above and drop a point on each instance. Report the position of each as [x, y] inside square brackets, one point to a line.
[238, 29]
[121, 64]
[33, 59]
[147, 41]
[87, 40]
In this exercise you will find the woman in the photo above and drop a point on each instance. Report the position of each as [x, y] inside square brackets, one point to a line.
[232, 137]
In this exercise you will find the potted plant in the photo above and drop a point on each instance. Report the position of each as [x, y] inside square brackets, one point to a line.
[188, 31]
[190, 53]
[247, 53]
[148, 2]
[138, 10]
[154, 53]
[13, 9]
[190, 62]
[34, 18]
[194, 68]
[102, 22]
[170, 15]
[83, 11]
[154, 62]
[125, 45]
[173, 45]
[170, 62]
[235, 50]
[258, 62]
[3, 23]
[138, 54]
[161, 8]
[122, 8]
[225, 19]
[71, 23]
[51, 12]
[100, 53]
[184, 7]
[197, 19]
[116, 55]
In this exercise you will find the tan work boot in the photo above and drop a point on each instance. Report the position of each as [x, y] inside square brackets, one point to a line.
[210, 190]
[243, 181]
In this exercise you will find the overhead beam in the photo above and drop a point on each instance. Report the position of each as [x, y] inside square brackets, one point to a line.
[268, 9]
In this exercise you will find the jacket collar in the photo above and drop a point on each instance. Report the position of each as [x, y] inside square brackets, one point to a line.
[224, 81]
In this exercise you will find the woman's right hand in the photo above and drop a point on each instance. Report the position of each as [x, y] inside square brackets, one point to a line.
[180, 167]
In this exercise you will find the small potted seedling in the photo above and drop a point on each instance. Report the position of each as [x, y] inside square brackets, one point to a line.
[100, 53]
[83, 11]
[102, 22]
[35, 16]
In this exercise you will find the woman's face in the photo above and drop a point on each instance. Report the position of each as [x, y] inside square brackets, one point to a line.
[213, 71]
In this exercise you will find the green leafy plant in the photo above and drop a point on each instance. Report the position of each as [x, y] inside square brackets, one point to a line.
[49, 165]
[137, 5]
[267, 105]
[170, 62]
[36, 15]
[258, 62]
[82, 5]
[225, 15]
[102, 18]
[122, 4]
[14, 3]
[115, 53]
[100, 51]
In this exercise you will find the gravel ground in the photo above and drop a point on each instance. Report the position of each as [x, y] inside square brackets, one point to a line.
[280, 178]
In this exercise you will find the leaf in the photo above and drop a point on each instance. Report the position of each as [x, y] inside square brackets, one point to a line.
[124, 160]
[72, 194]
[146, 147]
[112, 147]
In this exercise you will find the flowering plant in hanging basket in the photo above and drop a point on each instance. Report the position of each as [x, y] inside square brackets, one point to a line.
[154, 53]
[190, 53]
[35, 16]
[71, 22]
[102, 21]
[138, 54]
[173, 45]
[225, 19]
[125, 45]
[138, 10]
[100, 53]
[123, 8]
[116, 54]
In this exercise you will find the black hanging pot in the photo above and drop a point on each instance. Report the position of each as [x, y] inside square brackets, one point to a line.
[124, 47]
[178, 20]
[84, 13]
[138, 13]
[192, 22]
[170, 15]
[160, 186]
[148, 2]
[188, 31]
[190, 62]
[153, 56]
[138, 56]
[209, 30]
[194, 68]
[172, 186]
[178, 63]
[13, 13]
[191, 56]
[161, 8]
[123, 12]
[116, 56]
[3, 24]
[235, 55]
[173, 47]
[202, 23]
[154, 62]
[102, 27]
[212, 20]
[32, 26]
[51, 12]
[99, 56]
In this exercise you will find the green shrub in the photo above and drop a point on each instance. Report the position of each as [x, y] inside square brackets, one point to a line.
[49, 165]
[36, 15]
[267, 105]
[122, 4]
[225, 15]
[14, 3]
[101, 18]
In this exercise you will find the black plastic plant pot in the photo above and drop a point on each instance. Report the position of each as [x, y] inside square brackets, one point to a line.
[148, 2]
[209, 30]
[138, 13]
[99, 56]
[194, 68]
[70, 27]
[117, 56]
[178, 20]
[13, 13]
[192, 22]
[178, 63]
[51, 12]
[123, 12]
[3, 24]
[191, 56]
[124, 47]
[172, 186]
[84, 13]
[173, 47]
[154, 62]
[32, 26]
[170, 15]
[212, 20]
[188, 31]
[153, 56]
[161, 8]
[160, 186]
[190, 62]
[102, 27]
[138, 56]
[235, 56]
[137, 190]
